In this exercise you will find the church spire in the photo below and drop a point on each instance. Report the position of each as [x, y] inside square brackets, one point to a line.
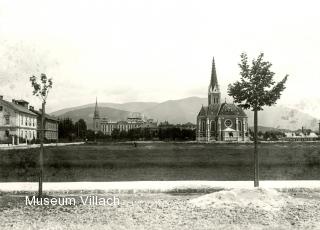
[213, 91]
[96, 110]
[214, 79]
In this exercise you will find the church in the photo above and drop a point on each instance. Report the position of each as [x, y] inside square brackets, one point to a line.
[220, 121]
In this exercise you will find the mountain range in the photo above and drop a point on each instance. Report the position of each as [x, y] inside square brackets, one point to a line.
[185, 110]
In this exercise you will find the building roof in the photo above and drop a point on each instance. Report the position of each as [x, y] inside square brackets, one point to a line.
[221, 109]
[228, 130]
[47, 116]
[231, 109]
[313, 135]
[16, 107]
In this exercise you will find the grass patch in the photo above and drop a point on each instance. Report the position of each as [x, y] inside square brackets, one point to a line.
[163, 161]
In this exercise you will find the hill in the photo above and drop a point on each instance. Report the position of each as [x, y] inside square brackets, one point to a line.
[186, 110]
[177, 111]
[130, 106]
[87, 114]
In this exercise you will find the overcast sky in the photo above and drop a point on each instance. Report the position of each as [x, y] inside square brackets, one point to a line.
[131, 50]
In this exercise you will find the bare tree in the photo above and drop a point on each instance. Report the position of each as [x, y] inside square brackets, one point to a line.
[41, 88]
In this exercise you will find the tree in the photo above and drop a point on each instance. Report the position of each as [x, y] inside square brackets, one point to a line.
[81, 128]
[41, 89]
[66, 128]
[115, 135]
[256, 89]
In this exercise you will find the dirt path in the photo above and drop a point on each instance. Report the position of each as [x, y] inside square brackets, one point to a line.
[161, 211]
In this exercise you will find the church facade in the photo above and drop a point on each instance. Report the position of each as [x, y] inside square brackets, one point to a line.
[220, 121]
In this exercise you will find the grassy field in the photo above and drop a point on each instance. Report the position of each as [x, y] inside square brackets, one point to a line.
[163, 161]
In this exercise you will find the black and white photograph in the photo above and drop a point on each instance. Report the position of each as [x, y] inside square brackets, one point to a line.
[159, 114]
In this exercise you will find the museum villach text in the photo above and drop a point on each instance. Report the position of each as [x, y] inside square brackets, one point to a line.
[61, 201]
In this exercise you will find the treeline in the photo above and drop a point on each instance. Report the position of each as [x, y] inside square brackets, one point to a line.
[272, 135]
[145, 134]
[72, 131]
[78, 131]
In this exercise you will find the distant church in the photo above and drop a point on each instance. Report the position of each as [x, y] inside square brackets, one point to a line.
[220, 121]
[134, 121]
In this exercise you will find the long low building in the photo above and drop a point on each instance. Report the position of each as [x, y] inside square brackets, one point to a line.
[301, 136]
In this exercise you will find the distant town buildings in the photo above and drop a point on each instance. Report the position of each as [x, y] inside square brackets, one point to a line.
[136, 120]
[220, 121]
[19, 120]
[301, 135]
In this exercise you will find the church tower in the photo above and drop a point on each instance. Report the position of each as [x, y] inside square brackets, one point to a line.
[96, 118]
[214, 94]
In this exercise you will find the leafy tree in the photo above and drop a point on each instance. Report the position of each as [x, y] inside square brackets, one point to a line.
[41, 88]
[134, 134]
[256, 89]
[81, 128]
[123, 135]
[66, 128]
[115, 134]
[90, 134]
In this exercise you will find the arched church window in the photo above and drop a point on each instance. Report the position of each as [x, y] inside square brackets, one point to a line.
[231, 134]
[239, 126]
[213, 126]
[203, 126]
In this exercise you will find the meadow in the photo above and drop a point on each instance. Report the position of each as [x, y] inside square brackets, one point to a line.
[162, 161]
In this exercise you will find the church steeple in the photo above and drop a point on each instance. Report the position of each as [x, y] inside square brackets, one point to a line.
[96, 118]
[214, 80]
[213, 91]
[96, 110]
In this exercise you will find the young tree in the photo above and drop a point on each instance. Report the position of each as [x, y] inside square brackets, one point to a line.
[41, 89]
[256, 89]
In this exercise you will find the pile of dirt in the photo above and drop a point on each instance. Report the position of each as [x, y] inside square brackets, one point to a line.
[267, 199]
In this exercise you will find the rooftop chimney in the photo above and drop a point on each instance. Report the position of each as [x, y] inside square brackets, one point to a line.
[31, 108]
[21, 102]
[1, 97]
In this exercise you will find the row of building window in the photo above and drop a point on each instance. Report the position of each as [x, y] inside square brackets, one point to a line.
[107, 128]
[28, 121]
[50, 125]
[228, 123]
[28, 134]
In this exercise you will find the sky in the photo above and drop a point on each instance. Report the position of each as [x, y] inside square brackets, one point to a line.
[122, 51]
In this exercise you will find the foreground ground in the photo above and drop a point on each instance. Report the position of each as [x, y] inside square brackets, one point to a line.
[162, 161]
[161, 211]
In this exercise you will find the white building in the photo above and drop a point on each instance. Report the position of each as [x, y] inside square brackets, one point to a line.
[16, 120]
[301, 136]
[135, 121]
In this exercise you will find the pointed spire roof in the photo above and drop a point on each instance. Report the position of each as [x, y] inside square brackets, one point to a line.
[96, 110]
[214, 79]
